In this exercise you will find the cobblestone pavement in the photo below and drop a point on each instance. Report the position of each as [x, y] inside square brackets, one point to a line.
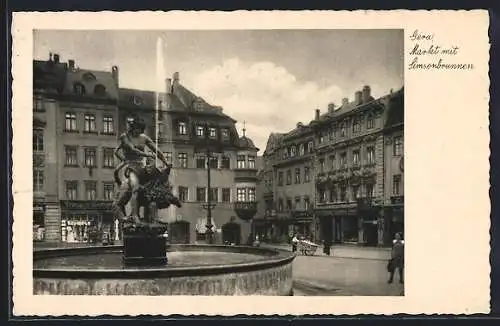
[328, 276]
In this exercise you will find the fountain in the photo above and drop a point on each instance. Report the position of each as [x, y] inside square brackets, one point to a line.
[145, 265]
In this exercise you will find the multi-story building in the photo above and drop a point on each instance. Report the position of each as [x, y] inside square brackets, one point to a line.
[187, 127]
[393, 213]
[79, 124]
[346, 150]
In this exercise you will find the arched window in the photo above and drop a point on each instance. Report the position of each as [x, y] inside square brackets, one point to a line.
[78, 88]
[89, 76]
[99, 90]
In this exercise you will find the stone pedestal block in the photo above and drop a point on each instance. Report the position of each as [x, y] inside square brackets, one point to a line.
[145, 247]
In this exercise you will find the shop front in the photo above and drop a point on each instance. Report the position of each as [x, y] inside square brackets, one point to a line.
[38, 221]
[339, 224]
[368, 215]
[88, 222]
[303, 222]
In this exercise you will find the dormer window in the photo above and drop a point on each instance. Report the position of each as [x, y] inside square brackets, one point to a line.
[200, 131]
[182, 128]
[224, 132]
[343, 130]
[137, 100]
[293, 151]
[99, 90]
[301, 149]
[79, 89]
[370, 122]
[89, 76]
[213, 132]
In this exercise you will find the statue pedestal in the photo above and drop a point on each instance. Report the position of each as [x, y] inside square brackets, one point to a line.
[145, 246]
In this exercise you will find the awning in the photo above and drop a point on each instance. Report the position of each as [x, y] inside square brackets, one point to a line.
[201, 225]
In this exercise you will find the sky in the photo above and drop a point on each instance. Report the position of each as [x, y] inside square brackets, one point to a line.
[271, 79]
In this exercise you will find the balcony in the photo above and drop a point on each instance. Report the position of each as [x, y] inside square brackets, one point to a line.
[245, 175]
[245, 210]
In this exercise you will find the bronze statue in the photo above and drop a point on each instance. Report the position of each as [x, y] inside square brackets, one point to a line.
[142, 185]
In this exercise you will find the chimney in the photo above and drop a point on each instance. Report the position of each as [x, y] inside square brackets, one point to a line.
[50, 56]
[345, 101]
[71, 64]
[331, 107]
[115, 74]
[316, 117]
[366, 94]
[168, 85]
[358, 97]
[56, 58]
[176, 78]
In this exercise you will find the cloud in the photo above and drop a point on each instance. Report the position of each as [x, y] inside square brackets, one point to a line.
[267, 96]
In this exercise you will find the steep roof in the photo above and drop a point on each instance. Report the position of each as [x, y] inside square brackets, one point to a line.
[273, 142]
[90, 79]
[247, 143]
[49, 75]
[136, 98]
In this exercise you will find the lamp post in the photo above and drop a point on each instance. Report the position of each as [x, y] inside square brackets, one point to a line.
[208, 205]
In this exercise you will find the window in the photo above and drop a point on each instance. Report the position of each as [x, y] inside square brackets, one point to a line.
[343, 130]
[297, 203]
[214, 194]
[241, 194]
[213, 132]
[108, 158]
[343, 192]
[310, 146]
[297, 175]
[89, 123]
[280, 205]
[321, 137]
[200, 131]
[307, 174]
[200, 194]
[288, 177]
[38, 180]
[37, 141]
[225, 162]
[224, 132]
[79, 89]
[321, 165]
[343, 160]
[307, 203]
[301, 149]
[370, 122]
[183, 194]
[181, 127]
[251, 162]
[99, 90]
[321, 195]
[38, 105]
[370, 155]
[226, 195]
[288, 204]
[333, 131]
[108, 125]
[200, 162]
[90, 157]
[71, 155]
[398, 146]
[214, 162]
[333, 163]
[70, 122]
[355, 192]
[355, 158]
[370, 190]
[396, 185]
[293, 151]
[90, 190]
[356, 126]
[183, 160]
[251, 194]
[240, 161]
[71, 190]
[333, 194]
[109, 190]
[280, 178]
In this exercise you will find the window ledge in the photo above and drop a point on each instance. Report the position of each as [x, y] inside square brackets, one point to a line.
[71, 131]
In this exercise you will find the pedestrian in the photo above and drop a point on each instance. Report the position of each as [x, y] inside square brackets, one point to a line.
[295, 241]
[397, 259]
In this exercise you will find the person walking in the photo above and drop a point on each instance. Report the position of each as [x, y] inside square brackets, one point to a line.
[295, 241]
[397, 259]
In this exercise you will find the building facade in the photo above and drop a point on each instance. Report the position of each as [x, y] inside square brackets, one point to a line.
[354, 154]
[76, 128]
[185, 127]
[78, 115]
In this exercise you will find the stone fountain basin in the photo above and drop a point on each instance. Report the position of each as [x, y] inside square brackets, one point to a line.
[192, 270]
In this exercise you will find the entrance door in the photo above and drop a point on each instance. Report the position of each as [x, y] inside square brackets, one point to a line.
[327, 229]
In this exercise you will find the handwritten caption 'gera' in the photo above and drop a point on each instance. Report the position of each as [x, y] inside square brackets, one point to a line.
[425, 47]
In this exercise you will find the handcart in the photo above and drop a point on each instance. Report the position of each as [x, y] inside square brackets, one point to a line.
[307, 248]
